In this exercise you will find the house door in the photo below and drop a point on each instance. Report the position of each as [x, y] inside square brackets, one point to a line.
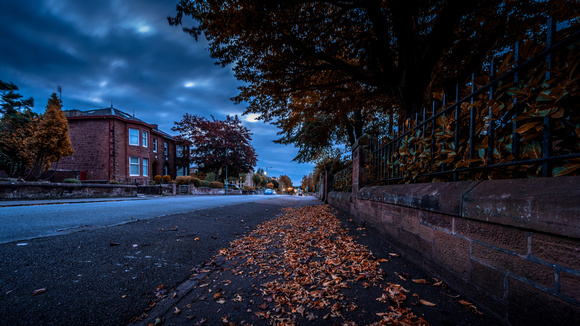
[155, 168]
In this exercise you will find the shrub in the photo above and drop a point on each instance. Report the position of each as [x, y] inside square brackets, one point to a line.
[204, 183]
[166, 179]
[196, 182]
[216, 184]
[71, 180]
[157, 179]
[114, 182]
[198, 175]
[183, 180]
[210, 176]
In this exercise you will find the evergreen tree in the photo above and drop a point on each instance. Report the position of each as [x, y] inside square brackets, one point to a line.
[50, 141]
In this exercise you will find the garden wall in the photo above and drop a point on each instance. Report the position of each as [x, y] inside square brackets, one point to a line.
[45, 190]
[214, 191]
[510, 246]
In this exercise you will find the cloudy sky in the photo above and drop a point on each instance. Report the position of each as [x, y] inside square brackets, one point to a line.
[124, 52]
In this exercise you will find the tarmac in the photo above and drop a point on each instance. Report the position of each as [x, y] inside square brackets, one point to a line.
[224, 291]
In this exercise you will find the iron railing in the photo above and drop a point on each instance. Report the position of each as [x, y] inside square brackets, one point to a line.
[439, 160]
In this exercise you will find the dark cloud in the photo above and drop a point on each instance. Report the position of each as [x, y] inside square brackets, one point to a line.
[124, 52]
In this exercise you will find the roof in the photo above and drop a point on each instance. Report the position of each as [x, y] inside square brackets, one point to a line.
[100, 112]
[111, 111]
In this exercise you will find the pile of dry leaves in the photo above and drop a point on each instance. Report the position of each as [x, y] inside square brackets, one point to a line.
[309, 261]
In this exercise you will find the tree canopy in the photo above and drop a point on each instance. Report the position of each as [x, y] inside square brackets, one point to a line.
[217, 143]
[327, 71]
[29, 143]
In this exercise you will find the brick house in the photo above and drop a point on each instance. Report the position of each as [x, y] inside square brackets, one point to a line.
[110, 144]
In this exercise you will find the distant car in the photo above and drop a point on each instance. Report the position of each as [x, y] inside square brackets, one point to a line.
[269, 192]
[234, 187]
[274, 192]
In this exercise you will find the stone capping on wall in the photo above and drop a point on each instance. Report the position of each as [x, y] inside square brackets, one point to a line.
[45, 190]
[550, 205]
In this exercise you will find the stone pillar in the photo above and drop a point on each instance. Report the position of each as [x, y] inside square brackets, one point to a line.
[359, 172]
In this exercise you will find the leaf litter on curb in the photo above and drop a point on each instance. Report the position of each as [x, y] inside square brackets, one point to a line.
[313, 260]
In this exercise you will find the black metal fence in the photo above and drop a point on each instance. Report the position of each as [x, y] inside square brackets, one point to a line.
[523, 123]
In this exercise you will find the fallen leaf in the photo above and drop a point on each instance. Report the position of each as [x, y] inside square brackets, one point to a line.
[427, 303]
[200, 323]
[159, 287]
[311, 317]
[300, 310]
[221, 301]
[196, 239]
[393, 255]
[419, 281]
[39, 291]
[176, 311]
[382, 260]
[217, 296]
[400, 276]
[204, 285]
[190, 317]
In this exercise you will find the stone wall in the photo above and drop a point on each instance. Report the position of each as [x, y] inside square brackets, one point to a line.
[42, 190]
[214, 191]
[510, 246]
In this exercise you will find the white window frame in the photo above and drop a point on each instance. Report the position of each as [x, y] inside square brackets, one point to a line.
[145, 138]
[132, 137]
[145, 167]
[134, 163]
[154, 145]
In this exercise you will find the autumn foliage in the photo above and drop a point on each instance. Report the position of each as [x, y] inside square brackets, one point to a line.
[326, 72]
[216, 144]
[524, 110]
[30, 143]
[308, 263]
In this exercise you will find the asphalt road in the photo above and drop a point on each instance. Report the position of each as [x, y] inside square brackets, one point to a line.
[106, 275]
[26, 222]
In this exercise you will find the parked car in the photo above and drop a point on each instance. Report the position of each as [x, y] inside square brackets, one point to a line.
[269, 192]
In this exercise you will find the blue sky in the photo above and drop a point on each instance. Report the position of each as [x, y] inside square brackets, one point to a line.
[124, 52]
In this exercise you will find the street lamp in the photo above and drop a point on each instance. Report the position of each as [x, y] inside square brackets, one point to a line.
[267, 170]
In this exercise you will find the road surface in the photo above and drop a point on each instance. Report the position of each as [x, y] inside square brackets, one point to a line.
[27, 222]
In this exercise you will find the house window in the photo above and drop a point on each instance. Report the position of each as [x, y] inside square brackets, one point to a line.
[179, 151]
[134, 137]
[165, 149]
[133, 166]
[145, 167]
[145, 139]
[165, 170]
[181, 171]
[155, 145]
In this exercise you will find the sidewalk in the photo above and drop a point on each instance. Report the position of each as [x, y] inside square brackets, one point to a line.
[309, 267]
[32, 202]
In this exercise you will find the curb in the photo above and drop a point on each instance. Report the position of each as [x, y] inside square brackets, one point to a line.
[162, 307]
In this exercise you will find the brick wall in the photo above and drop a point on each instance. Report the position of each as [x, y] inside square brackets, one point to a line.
[89, 139]
[510, 246]
[102, 149]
